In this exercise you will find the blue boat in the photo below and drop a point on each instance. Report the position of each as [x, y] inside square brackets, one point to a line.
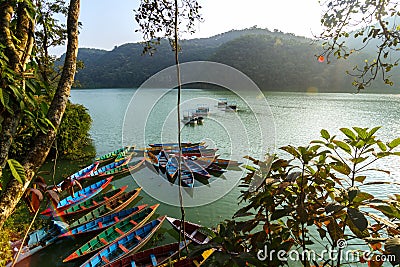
[103, 222]
[85, 171]
[125, 245]
[162, 160]
[78, 197]
[197, 170]
[107, 167]
[187, 175]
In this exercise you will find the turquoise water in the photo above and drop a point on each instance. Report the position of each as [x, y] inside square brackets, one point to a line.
[289, 118]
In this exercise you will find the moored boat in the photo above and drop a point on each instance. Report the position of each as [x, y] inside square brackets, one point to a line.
[162, 160]
[197, 170]
[101, 223]
[90, 204]
[175, 145]
[110, 155]
[106, 168]
[78, 197]
[150, 257]
[119, 228]
[123, 170]
[112, 206]
[125, 245]
[190, 262]
[85, 171]
[192, 231]
[37, 240]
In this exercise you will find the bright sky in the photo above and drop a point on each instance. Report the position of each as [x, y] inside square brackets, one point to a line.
[106, 25]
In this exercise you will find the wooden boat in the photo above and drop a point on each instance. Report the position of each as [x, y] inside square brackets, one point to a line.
[78, 197]
[208, 152]
[223, 163]
[190, 262]
[187, 175]
[118, 229]
[171, 169]
[91, 204]
[37, 240]
[128, 152]
[123, 170]
[162, 160]
[85, 171]
[175, 145]
[212, 168]
[102, 223]
[110, 155]
[125, 245]
[222, 102]
[106, 168]
[151, 161]
[197, 170]
[150, 257]
[112, 206]
[192, 231]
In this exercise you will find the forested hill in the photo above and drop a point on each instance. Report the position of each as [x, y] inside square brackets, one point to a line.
[276, 61]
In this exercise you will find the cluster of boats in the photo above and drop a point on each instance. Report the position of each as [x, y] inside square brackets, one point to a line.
[120, 231]
[196, 162]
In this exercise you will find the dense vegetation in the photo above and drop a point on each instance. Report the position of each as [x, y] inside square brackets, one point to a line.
[274, 60]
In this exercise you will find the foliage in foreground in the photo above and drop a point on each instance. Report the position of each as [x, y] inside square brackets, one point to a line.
[314, 201]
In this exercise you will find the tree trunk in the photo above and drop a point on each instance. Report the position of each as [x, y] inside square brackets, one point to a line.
[43, 142]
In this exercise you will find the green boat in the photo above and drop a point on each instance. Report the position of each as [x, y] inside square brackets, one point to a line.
[110, 155]
[121, 228]
[112, 206]
[91, 204]
[122, 171]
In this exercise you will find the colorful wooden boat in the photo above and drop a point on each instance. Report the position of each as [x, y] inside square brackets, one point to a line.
[151, 161]
[102, 223]
[150, 257]
[110, 155]
[174, 145]
[112, 206]
[223, 163]
[171, 169]
[85, 171]
[128, 152]
[37, 240]
[78, 197]
[192, 231]
[197, 170]
[91, 204]
[106, 168]
[190, 262]
[123, 170]
[162, 160]
[212, 168]
[127, 244]
[187, 175]
[120, 228]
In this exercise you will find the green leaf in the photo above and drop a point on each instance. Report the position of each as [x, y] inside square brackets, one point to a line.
[360, 178]
[358, 219]
[373, 130]
[356, 230]
[325, 134]
[343, 146]
[362, 133]
[382, 146]
[349, 133]
[341, 168]
[394, 143]
[291, 150]
[362, 196]
[17, 170]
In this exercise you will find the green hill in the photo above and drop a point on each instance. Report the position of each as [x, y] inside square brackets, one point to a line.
[275, 61]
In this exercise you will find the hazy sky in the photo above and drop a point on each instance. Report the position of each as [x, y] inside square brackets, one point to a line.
[106, 25]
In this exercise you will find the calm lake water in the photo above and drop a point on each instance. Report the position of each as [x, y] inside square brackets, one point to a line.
[289, 118]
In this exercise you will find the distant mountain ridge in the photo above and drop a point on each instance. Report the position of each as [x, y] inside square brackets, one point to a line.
[275, 61]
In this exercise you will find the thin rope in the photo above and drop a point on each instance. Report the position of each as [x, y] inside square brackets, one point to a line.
[178, 76]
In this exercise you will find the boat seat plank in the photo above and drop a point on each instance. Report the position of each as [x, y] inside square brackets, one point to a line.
[138, 237]
[153, 259]
[94, 202]
[102, 240]
[116, 219]
[105, 259]
[119, 231]
[100, 224]
[123, 248]
[133, 264]
[133, 222]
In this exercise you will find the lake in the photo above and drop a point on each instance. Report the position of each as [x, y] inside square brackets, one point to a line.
[261, 125]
